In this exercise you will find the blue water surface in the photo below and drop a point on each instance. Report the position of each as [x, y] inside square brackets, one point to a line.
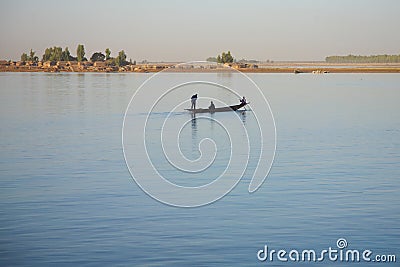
[67, 198]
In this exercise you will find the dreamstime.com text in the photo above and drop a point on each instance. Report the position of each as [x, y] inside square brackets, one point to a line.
[338, 254]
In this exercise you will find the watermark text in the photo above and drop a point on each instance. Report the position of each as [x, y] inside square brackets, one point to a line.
[340, 253]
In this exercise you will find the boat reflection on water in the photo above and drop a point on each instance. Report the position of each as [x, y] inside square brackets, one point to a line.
[193, 115]
[243, 116]
[194, 133]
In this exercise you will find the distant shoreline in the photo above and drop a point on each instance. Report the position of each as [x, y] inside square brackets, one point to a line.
[276, 67]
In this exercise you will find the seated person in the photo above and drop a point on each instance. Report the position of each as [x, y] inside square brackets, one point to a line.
[212, 106]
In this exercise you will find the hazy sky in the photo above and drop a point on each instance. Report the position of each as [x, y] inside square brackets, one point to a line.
[180, 30]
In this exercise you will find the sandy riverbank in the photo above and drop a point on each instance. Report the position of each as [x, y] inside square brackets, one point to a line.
[280, 67]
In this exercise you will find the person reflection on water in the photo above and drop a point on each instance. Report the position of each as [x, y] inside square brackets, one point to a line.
[193, 99]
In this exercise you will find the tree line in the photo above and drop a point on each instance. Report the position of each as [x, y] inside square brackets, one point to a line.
[58, 54]
[223, 58]
[363, 59]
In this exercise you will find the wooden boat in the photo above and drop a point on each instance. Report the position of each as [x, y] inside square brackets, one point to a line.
[223, 109]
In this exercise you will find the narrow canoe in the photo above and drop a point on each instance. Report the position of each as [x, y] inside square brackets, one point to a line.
[223, 109]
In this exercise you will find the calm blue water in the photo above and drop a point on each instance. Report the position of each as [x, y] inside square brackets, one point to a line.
[67, 198]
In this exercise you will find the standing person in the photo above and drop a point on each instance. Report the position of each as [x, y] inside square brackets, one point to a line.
[193, 99]
[243, 100]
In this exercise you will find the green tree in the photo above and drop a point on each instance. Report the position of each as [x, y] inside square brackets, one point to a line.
[364, 59]
[225, 57]
[108, 53]
[32, 56]
[47, 54]
[24, 57]
[56, 55]
[212, 59]
[65, 55]
[121, 59]
[80, 52]
[98, 56]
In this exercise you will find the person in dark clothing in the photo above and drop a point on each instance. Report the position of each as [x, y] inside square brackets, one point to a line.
[193, 100]
[212, 106]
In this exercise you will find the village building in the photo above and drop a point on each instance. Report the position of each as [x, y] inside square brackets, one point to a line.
[83, 65]
[31, 63]
[73, 65]
[99, 64]
[49, 64]
[63, 65]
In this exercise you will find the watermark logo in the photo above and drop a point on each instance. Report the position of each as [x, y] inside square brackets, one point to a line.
[156, 124]
[341, 243]
[340, 253]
